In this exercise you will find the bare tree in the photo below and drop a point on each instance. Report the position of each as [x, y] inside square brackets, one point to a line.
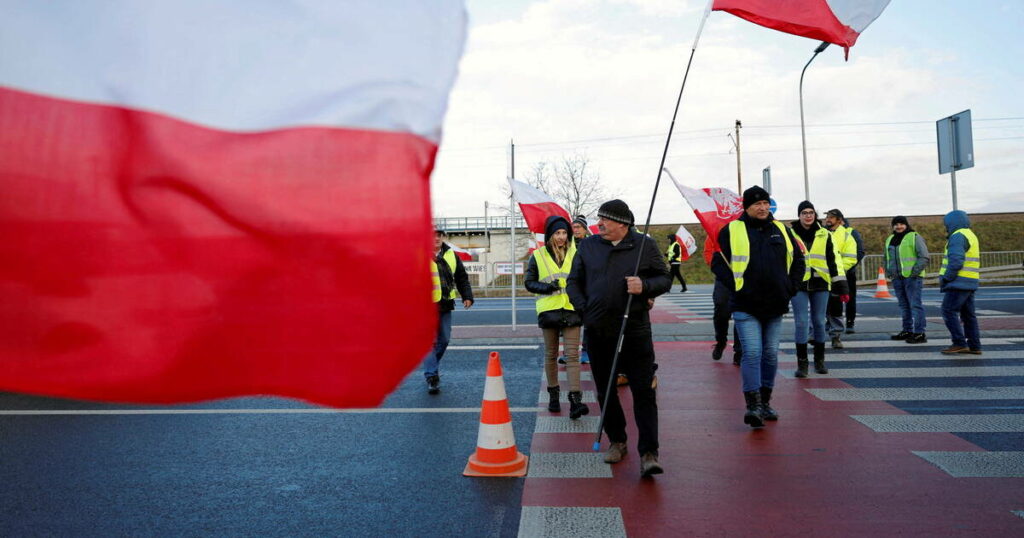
[572, 182]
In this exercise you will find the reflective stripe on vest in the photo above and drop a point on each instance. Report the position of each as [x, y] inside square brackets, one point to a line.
[435, 279]
[972, 258]
[548, 271]
[817, 259]
[907, 250]
[740, 245]
[450, 259]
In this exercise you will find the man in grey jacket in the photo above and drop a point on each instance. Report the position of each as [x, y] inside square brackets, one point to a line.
[906, 257]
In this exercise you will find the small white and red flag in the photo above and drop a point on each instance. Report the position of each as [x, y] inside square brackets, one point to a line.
[463, 254]
[687, 244]
[536, 206]
[837, 21]
[715, 207]
[186, 191]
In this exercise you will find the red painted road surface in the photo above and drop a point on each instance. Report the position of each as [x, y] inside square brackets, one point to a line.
[816, 472]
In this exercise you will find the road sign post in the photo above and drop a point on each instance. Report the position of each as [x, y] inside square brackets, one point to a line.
[955, 146]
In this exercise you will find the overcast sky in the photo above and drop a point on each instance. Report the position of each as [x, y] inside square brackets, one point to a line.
[600, 77]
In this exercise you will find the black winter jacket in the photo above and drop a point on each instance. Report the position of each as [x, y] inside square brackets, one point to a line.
[459, 280]
[767, 286]
[597, 282]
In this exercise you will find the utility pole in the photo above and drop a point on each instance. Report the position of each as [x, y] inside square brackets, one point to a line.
[739, 174]
[512, 231]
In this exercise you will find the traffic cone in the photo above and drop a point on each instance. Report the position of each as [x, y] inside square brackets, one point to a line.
[882, 291]
[496, 453]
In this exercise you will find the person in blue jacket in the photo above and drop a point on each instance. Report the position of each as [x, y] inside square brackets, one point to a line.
[958, 280]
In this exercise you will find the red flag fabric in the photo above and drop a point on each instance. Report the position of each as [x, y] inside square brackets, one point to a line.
[536, 206]
[715, 207]
[462, 253]
[187, 188]
[837, 21]
[687, 244]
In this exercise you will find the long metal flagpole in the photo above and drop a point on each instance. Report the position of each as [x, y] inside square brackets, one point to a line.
[512, 232]
[647, 224]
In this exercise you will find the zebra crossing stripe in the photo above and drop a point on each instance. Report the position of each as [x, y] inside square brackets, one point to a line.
[942, 423]
[571, 521]
[962, 371]
[927, 355]
[977, 464]
[918, 393]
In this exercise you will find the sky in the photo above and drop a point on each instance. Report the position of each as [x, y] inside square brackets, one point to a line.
[600, 78]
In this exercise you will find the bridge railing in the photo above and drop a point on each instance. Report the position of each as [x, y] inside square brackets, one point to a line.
[450, 224]
[991, 262]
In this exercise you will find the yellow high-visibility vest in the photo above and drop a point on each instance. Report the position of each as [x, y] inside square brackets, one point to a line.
[670, 252]
[817, 258]
[843, 239]
[907, 251]
[740, 244]
[548, 271]
[451, 260]
[435, 279]
[972, 258]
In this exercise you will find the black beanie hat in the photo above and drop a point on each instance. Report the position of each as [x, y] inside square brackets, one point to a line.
[836, 213]
[581, 220]
[616, 210]
[805, 205]
[753, 195]
[899, 219]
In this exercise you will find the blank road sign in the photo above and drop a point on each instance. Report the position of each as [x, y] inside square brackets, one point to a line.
[956, 144]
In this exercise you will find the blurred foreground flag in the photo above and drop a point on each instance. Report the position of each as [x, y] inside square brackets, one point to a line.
[212, 199]
[837, 21]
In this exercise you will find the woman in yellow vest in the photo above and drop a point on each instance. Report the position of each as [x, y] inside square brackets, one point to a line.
[823, 275]
[958, 280]
[545, 276]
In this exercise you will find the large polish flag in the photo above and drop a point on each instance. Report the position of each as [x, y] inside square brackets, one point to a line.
[837, 21]
[536, 206]
[715, 207]
[188, 187]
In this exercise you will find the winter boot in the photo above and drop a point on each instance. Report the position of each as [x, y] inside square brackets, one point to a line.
[553, 404]
[819, 358]
[576, 406]
[766, 410]
[837, 341]
[801, 361]
[753, 415]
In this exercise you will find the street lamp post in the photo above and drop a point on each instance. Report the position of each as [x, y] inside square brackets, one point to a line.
[803, 137]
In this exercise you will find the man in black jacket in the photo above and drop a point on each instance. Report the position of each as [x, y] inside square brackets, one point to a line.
[453, 276]
[599, 285]
[761, 268]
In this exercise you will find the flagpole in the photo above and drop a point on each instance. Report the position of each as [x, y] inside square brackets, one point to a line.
[512, 204]
[647, 224]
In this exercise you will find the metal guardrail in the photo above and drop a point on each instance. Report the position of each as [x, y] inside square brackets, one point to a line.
[868, 268]
[450, 224]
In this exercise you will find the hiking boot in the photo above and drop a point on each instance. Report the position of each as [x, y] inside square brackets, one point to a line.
[716, 352]
[433, 384]
[801, 361]
[974, 352]
[849, 328]
[576, 406]
[649, 465]
[837, 342]
[615, 452]
[766, 411]
[753, 415]
[819, 358]
[917, 338]
[955, 350]
[902, 335]
[553, 405]
[621, 380]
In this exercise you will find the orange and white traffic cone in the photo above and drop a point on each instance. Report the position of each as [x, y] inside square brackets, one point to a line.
[496, 453]
[882, 291]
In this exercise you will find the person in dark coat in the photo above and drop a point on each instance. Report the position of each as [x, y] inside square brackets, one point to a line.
[762, 268]
[673, 255]
[599, 285]
[453, 277]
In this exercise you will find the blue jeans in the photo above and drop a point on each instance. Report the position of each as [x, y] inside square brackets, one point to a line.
[760, 341]
[815, 302]
[957, 307]
[432, 361]
[908, 294]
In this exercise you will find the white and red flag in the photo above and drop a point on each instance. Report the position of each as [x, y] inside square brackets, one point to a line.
[715, 207]
[687, 244]
[536, 206]
[463, 254]
[187, 187]
[837, 21]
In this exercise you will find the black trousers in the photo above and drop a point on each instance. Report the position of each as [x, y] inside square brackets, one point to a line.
[675, 274]
[722, 315]
[835, 306]
[637, 362]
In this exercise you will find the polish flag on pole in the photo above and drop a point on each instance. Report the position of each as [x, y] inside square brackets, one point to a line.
[536, 206]
[187, 187]
[715, 207]
[687, 244]
[463, 254]
[837, 21]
